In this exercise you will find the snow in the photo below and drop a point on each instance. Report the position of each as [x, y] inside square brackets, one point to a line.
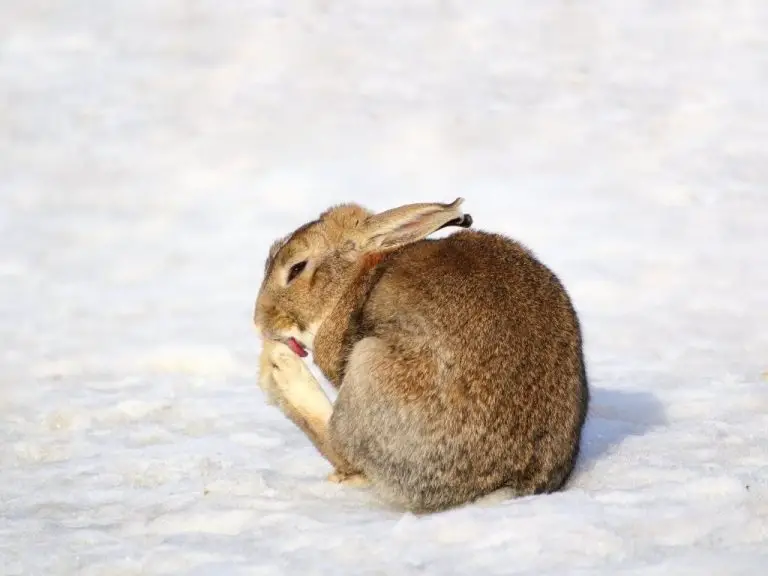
[151, 151]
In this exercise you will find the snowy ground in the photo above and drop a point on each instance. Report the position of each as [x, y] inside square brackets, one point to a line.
[150, 152]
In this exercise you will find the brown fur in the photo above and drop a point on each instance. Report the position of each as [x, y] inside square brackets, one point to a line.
[458, 361]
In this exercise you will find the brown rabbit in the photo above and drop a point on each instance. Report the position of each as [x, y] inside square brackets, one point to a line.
[458, 360]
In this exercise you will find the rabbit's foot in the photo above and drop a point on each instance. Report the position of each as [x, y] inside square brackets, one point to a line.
[295, 391]
[295, 385]
[353, 479]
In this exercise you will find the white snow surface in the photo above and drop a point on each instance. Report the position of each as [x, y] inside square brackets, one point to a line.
[150, 151]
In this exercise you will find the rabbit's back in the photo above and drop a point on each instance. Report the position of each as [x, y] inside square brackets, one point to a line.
[475, 293]
[466, 374]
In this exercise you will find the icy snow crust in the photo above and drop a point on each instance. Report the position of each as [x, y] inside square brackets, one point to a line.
[151, 151]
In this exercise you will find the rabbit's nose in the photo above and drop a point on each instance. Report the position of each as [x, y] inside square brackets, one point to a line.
[262, 311]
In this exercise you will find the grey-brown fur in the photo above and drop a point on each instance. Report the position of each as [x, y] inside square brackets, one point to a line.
[459, 366]
[480, 382]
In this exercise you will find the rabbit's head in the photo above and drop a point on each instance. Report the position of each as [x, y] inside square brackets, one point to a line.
[307, 271]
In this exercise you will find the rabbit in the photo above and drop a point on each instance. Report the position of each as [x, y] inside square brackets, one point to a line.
[458, 361]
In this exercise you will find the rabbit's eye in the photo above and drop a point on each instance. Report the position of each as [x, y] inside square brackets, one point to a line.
[296, 269]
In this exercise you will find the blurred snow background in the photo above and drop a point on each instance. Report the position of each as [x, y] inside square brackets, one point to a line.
[150, 152]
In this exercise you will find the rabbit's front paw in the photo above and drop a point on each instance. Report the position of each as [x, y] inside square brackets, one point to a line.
[290, 367]
[296, 385]
[281, 372]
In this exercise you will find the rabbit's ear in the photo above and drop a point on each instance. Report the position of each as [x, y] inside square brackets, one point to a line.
[410, 223]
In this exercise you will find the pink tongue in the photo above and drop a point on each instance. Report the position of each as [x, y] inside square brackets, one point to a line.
[296, 347]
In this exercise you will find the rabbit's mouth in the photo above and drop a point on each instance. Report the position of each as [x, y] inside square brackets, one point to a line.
[297, 347]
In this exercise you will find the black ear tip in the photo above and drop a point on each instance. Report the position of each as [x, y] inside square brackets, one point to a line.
[463, 221]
